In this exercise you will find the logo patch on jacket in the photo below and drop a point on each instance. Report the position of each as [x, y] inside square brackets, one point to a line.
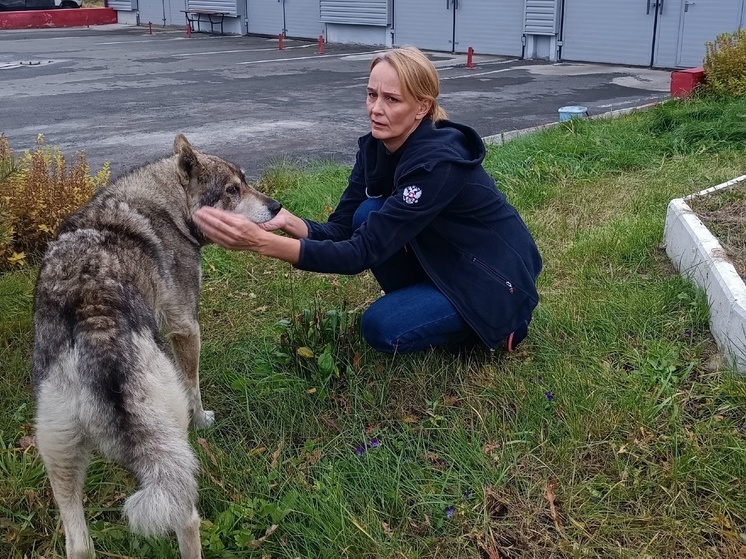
[412, 194]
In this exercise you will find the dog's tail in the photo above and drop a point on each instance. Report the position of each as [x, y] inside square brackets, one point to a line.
[167, 498]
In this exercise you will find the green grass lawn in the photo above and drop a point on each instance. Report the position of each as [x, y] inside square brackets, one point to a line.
[612, 432]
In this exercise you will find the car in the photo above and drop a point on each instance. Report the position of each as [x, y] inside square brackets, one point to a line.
[7, 5]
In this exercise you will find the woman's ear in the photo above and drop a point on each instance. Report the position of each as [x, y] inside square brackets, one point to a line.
[424, 109]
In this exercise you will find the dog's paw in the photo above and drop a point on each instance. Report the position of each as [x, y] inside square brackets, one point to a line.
[203, 419]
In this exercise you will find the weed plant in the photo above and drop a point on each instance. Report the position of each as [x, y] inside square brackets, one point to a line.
[613, 431]
[725, 64]
[36, 193]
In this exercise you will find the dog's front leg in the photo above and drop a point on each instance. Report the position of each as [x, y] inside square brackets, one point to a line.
[186, 344]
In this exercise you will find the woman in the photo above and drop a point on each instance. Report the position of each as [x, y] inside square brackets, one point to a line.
[455, 260]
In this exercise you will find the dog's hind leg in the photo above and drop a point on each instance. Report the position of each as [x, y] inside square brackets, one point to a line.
[188, 536]
[186, 345]
[66, 455]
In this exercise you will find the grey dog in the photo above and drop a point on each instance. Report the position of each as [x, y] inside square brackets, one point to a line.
[120, 281]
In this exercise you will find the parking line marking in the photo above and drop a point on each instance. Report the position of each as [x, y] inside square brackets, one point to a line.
[239, 50]
[315, 56]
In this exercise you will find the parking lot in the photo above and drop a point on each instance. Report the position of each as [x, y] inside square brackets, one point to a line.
[121, 94]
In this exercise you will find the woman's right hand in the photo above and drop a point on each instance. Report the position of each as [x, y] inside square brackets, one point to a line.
[287, 223]
[280, 221]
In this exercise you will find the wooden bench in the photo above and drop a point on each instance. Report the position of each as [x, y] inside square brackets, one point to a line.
[213, 18]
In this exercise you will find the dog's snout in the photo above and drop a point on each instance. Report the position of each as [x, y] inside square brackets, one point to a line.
[274, 207]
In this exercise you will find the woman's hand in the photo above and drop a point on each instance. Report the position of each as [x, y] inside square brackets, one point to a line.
[235, 232]
[288, 223]
[280, 221]
[229, 230]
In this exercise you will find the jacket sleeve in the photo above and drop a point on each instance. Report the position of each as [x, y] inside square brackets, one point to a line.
[419, 198]
[339, 224]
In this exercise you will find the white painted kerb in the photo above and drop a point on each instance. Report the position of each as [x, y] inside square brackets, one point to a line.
[698, 256]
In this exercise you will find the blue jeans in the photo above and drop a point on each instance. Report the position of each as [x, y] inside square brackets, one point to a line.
[413, 315]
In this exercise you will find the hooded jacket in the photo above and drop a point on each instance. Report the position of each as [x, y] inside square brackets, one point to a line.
[442, 205]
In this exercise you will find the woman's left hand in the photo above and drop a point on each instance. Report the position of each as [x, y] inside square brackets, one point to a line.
[229, 230]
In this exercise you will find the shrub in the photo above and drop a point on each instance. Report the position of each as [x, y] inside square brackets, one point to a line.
[36, 192]
[725, 64]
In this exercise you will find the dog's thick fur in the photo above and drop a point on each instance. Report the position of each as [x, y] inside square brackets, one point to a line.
[121, 279]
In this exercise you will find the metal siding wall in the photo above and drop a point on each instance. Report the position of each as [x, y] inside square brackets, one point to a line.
[121, 5]
[351, 12]
[541, 17]
[228, 6]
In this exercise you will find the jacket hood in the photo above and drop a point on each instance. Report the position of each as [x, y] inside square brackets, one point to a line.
[443, 141]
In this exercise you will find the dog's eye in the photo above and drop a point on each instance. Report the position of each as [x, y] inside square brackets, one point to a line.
[232, 190]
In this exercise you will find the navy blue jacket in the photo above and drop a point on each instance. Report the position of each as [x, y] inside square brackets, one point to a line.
[441, 204]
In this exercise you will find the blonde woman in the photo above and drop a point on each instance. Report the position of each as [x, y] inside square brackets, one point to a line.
[453, 257]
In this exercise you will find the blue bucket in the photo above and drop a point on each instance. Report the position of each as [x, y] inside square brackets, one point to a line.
[566, 113]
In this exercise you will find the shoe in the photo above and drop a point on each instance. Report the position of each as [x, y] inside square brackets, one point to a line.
[517, 336]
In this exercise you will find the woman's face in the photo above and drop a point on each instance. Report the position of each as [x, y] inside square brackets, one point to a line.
[393, 117]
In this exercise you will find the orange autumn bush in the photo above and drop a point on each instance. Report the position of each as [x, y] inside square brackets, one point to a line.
[37, 191]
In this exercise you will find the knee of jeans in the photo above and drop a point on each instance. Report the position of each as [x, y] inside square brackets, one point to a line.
[364, 210]
[375, 335]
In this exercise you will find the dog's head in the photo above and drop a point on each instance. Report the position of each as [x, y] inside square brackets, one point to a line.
[211, 181]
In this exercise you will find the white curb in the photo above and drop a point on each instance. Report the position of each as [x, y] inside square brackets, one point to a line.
[698, 256]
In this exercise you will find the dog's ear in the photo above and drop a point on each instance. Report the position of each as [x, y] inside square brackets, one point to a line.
[188, 163]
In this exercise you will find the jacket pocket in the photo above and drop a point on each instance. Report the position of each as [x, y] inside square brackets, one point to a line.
[509, 285]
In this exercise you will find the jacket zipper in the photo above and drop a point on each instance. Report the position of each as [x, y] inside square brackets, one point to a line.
[495, 273]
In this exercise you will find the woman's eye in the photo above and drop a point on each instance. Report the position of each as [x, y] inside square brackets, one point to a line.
[232, 190]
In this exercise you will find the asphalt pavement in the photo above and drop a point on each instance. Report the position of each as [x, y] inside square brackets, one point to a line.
[121, 94]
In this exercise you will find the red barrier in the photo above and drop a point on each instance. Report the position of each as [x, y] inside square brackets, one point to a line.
[321, 44]
[683, 82]
[279, 39]
[469, 58]
[189, 31]
[80, 17]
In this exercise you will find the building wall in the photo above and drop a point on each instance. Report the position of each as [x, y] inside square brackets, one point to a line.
[602, 37]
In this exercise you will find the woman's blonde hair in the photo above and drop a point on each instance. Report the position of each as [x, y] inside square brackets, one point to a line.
[418, 76]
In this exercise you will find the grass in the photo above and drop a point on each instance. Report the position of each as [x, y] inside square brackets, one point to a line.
[612, 432]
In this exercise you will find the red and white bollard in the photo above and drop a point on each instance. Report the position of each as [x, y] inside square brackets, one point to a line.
[321, 44]
[279, 42]
[469, 59]
[189, 31]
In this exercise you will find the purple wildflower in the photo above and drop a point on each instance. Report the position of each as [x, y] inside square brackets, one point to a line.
[687, 333]
[360, 450]
[375, 442]
[450, 511]
[549, 396]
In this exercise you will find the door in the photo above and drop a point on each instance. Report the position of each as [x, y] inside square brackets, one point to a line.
[702, 21]
[152, 11]
[613, 31]
[292, 18]
[302, 19]
[488, 26]
[174, 13]
[426, 24]
[660, 33]
[266, 17]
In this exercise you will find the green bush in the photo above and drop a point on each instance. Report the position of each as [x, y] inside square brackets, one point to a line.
[725, 64]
